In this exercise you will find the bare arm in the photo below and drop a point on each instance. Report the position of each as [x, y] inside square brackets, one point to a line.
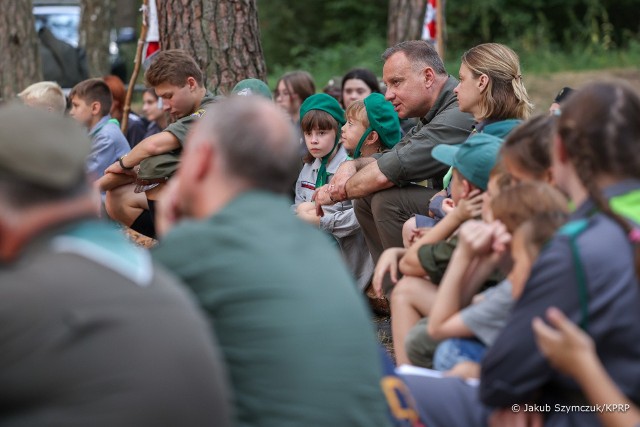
[368, 180]
[159, 143]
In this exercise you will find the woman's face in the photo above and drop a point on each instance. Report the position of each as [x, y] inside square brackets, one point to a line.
[354, 90]
[469, 92]
[287, 100]
[150, 107]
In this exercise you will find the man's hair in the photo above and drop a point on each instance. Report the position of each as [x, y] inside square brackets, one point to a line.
[173, 66]
[420, 53]
[505, 96]
[46, 95]
[256, 140]
[93, 90]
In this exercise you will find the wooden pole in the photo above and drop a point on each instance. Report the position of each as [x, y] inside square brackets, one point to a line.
[136, 66]
[440, 28]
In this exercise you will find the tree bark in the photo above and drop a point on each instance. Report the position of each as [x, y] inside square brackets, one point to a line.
[222, 35]
[20, 59]
[96, 21]
[405, 20]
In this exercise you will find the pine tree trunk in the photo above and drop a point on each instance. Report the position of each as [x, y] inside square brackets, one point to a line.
[20, 59]
[405, 20]
[222, 35]
[96, 21]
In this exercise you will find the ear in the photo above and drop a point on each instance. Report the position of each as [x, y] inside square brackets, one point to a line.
[203, 161]
[372, 138]
[466, 188]
[429, 76]
[483, 82]
[95, 108]
[192, 83]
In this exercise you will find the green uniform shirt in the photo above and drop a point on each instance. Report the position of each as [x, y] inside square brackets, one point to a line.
[294, 331]
[410, 160]
[165, 165]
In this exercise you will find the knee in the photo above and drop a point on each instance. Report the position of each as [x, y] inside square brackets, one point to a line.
[407, 231]
[403, 293]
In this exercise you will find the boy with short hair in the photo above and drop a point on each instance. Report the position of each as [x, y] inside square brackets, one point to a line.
[90, 106]
[131, 194]
[372, 126]
[45, 95]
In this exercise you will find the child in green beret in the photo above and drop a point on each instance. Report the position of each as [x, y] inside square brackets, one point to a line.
[321, 118]
[371, 127]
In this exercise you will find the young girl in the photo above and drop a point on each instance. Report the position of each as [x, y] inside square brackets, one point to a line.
[357, 84]
[292, 89]
[152, 109]
[371, 126]
[320, 118]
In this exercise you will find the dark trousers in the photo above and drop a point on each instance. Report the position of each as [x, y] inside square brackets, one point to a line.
[382, 215]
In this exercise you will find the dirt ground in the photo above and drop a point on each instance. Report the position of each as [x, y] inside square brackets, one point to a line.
[544, 87]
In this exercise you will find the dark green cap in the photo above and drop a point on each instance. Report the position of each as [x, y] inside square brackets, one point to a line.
[474, 158]
[383, 119]
[248, 87]
[323, 102]
[42, 148]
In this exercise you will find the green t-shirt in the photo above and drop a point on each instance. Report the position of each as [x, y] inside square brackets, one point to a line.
[165, 165]
[293, 329]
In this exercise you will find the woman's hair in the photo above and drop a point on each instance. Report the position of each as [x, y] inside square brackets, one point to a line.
[299, 83]
[357, 111]
[505, 96]
[118, 93]
[520, 202]
[529, 145]
[317, 120]
[363, 74]
[599, 127]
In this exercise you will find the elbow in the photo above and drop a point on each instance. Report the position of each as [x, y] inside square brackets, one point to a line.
[435, 331]
[382, 181]
[410, 268]
[153, 148]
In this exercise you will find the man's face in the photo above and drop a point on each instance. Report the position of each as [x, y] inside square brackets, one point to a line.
[406, 88]
[179, 101]
[81, 112]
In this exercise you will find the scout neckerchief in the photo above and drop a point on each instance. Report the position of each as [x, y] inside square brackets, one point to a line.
[114, 121]
[323, 175]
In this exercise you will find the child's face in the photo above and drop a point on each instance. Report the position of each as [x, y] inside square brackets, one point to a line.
[458, 189]
[517, 172]
[354, 90]
[352, 131]
[81, 112]
[287, 100]
[487, 196]
[179, 101]
[320, 142]
[522, 263]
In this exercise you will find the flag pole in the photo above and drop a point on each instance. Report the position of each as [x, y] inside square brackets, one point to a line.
[440, 27]
[136, 66]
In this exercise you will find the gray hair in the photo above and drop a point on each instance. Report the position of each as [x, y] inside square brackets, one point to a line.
[256, 140]
[420, 53]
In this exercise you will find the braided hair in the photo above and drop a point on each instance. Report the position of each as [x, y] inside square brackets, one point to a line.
[600, 128]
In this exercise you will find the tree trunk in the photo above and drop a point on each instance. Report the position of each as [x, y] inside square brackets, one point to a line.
[96, 21]
[20, 60]
[222, 35]
[405, 20]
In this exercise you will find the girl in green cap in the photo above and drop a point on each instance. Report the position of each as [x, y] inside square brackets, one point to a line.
[320, 119]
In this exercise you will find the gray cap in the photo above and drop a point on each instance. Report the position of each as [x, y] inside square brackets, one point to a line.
[42, 148]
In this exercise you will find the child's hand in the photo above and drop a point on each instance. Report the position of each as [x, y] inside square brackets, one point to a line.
[307, 212]
[448, 205]
[470, 207]
[417, 233]
[475, 238]
[388, 263]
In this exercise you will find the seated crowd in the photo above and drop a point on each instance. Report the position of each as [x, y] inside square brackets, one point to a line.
[506, 245]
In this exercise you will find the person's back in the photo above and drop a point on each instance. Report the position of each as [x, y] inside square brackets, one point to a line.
[293, 330]
[91, 332]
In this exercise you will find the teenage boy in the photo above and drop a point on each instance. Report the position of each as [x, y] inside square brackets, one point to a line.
[131, 196]
[90, 105]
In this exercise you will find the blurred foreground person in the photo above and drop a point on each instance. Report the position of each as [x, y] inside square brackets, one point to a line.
[91, 332]
[292, 326]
